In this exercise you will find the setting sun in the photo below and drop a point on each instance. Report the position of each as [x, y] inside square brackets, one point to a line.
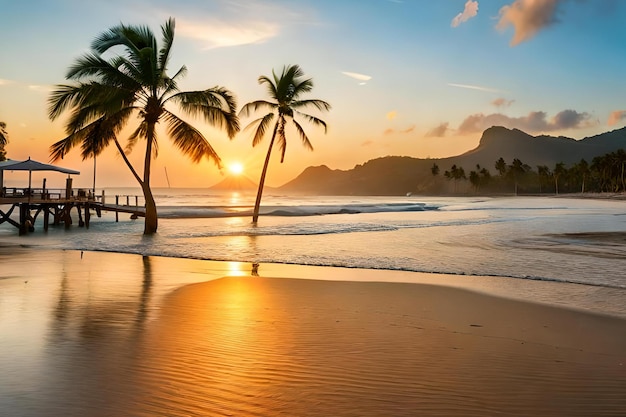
[235, 168]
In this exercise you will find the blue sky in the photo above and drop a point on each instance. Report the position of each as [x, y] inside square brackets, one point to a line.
[420, 78]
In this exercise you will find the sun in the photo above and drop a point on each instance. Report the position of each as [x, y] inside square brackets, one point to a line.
[236, 168]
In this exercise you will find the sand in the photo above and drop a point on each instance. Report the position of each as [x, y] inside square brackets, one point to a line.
[110, 335]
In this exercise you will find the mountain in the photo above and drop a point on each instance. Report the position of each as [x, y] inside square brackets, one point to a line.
[235, 183]
[398, 175]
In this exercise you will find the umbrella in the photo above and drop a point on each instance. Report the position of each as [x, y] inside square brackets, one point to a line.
[30, 166]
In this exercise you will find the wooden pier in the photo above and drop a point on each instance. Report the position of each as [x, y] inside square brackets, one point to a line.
[56, 207]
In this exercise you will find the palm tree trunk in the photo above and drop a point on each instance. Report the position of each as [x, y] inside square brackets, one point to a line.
[151, 219]
[257, 204]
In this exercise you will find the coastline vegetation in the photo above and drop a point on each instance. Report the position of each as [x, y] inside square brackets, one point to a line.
[605, 174]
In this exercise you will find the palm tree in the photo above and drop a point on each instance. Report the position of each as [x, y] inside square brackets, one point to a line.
[107, 92]
[559, 170]
[4, 139]
[285, 91]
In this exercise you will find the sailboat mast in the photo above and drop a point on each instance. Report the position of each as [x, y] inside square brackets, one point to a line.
[167, 178]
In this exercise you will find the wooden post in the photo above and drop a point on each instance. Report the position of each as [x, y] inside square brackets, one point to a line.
[87, 215]
[117, 203]
[128, 200]
[81, 222]
[23, 218]
[46, 217]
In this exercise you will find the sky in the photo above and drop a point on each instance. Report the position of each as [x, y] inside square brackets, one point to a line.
[417, 78]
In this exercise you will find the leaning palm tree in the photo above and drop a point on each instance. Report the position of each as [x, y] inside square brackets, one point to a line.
[285, 91]
[108, 91]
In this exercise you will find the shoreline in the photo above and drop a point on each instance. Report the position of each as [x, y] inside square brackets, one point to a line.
[102, 333]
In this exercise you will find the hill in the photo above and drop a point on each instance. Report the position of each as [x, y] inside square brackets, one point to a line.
[235, 183]
[398, 175]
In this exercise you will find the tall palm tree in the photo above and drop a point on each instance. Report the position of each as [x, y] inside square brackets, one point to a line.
[4, 139]
[107, 92]
[285, 91]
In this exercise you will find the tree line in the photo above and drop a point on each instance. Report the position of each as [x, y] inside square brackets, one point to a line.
[605, 173]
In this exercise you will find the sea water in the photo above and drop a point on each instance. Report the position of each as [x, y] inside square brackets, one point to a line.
[538, 238]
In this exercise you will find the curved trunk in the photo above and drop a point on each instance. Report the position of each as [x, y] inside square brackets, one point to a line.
[257, 203]
[151, 219]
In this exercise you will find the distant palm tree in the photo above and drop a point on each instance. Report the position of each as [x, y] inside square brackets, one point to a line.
[108, 92]
[285, 91]
[4, 139]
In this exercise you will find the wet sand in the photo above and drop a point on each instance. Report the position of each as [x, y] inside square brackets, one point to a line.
[109, 335]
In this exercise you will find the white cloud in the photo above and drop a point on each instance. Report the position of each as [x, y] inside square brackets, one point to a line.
[357, 76]
[219, 34]
[40, 88]
[475, 87]
[5, 82]
[471, 10]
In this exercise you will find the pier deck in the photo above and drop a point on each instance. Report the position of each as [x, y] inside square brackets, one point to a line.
[56, 206]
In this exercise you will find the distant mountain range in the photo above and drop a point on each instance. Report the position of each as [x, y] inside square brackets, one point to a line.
[398, 175]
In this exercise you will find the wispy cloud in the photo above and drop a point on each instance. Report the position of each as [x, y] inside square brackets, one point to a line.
[438, 132]
[5, 82]
[471, 10]
[475, 87]
[527, 17]
[218, 34]
[502, 102]
[534, 122]
[40, 88]
[616, 116]
[409, 129]
[357, 76]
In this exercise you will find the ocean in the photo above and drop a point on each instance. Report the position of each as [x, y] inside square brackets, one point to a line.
[562, 240]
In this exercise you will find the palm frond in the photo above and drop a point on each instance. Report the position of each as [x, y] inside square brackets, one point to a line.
[167, 31]
[316, 121]
[262, 124]
[303, 136]
[189, 140]
[253, 106]
[271, 86]
[216, 105]
[320, 105]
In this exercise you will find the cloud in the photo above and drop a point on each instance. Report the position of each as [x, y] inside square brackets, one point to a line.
[360, 77]
[367, 143]
[219, 34]
[616, 116]
[534, 122]
[527, 17]
[502, 102]
[408, 129]
[5, 82]
[40, 88]
[392, 115]
[471, 10]
[389, 131]
[475, 87]
[438, 132]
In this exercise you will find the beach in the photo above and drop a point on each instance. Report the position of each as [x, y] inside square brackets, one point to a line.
[108, 334]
